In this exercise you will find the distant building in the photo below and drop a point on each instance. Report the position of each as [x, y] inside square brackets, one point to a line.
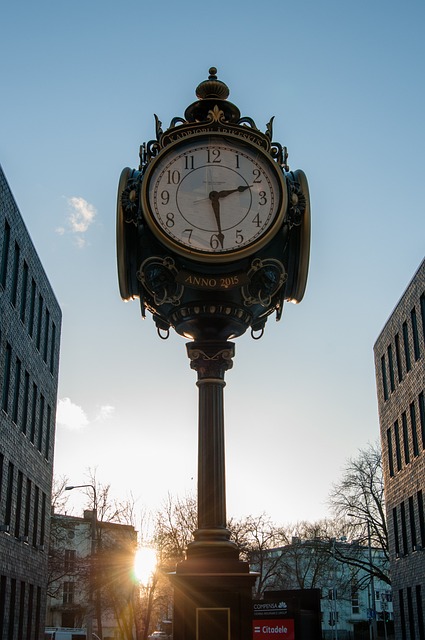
[345, 586]
[400, 378]
[30, 323]
[91, 574]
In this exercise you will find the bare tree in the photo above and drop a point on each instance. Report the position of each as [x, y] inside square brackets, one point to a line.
[358, 500]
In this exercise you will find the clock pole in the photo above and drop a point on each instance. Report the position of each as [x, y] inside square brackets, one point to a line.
[213, 236]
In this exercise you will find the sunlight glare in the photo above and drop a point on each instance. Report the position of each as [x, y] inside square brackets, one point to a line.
[144, 564]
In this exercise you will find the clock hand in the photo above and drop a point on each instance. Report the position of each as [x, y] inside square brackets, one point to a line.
[224, 194]
[213, 196]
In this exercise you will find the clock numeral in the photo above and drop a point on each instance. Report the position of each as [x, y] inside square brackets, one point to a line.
[189, 234]
[237, 161]
[216, 242]
[173, 177]
[165, 197]
[213, 155]
[189, 162]
[170, 220]
[263, 198]
[256, 173]
[239, 236]
[256, 220]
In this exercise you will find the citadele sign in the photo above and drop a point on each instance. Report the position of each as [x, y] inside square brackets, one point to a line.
[272, 628]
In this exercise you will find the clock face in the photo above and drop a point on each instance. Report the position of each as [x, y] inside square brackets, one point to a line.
[215, 197]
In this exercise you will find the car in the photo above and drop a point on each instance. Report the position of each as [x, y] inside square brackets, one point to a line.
[158, 635]
[67, 633]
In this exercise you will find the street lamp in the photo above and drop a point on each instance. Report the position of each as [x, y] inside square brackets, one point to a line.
[372, 601]
[93, 537]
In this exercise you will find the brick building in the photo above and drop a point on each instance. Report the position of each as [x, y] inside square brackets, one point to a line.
[400, 378]
[30, 323]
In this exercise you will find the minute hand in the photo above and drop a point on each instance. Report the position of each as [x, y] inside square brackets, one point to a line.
[224, 194]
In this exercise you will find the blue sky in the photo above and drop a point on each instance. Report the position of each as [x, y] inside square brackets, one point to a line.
[80, 84]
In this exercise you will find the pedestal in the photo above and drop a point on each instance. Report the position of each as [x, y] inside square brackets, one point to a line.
[212, 587]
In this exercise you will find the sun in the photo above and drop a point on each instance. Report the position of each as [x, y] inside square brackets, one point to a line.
[145, 564]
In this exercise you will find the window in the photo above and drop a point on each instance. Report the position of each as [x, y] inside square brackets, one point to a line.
[9, 494]
[12, 604]
[21, 610]
[18, 504]
[25, 402]
[15, 274]
[396, 536]
[406, 346]
[46, 334]
[48, 431]
[416, 350]
[391, 367]
[27, 508]
[422, 417]
[398, 358]
[68, 593]
[16, 390]
[384, 378]
[32, 309]
[33, 411]
[405, 438]
[355, 606]
[39, 320]
[24, 286]
[390, 452]
[35, 521]
[402, 615]
[420, 612]
[410, 612]
[397, 445]
[413, 428]
[43, 518]
[403, 527]
[423, 313]
[70, 560]
[5, 254]
[420, 501]
[6, 378]
[412, 523]
[41, 423]
[52, 347]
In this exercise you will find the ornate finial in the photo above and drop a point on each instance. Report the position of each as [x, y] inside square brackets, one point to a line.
[212, 88]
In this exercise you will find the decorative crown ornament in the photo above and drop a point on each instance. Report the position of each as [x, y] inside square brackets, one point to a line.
[213, 229]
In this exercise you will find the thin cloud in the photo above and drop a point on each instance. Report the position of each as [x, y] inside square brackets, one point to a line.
[81, 215]
[72, 416]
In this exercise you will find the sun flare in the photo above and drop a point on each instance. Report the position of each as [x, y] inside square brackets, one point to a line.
[144, 564]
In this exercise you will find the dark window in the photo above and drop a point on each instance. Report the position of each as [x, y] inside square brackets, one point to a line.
[406, 346]
[48, 432]
[18, 511]
[6, 378]
[12, 605]
[391, 367]
[423, 314]
[420, 500]
[414, 429]
[25, 402]
[70, 560]
[39, 321]
[412, 523]
[396, 536]
[402, 614]
[397, 445]
[420, 611]
[21, 610]
[398, 358]
[384, 378]
[405, 438]
[410, 613]
[355, 605]
[9, 494]
[27, 508]
[52, 348]
[38, 609]
[24, 286]
[36, 515]
[32, 308]
[41, 423]
[416, 350]
[15, 274]
[2, 600]
[1, 473]
[33, 412]
[46, 334]
[30, 610]
[422, 417]
[43, 518]
[390, 452]
[68, 593]
[16, 391]
[403, 528]
[5, 254]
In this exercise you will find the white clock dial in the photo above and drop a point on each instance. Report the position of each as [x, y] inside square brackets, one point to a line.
[214, 196]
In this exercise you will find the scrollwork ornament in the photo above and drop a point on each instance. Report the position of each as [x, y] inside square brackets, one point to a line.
[266, 278]
[297, 203]
[158, 276]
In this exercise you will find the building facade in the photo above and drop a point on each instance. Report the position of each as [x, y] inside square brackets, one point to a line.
[30, 324]
[91, 573]
[400, 378]
[341, 571]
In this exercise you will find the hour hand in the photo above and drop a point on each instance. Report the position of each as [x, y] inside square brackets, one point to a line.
[224, 194]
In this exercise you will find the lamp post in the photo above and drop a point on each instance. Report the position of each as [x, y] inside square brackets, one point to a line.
[373, 630]
[93, 538]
